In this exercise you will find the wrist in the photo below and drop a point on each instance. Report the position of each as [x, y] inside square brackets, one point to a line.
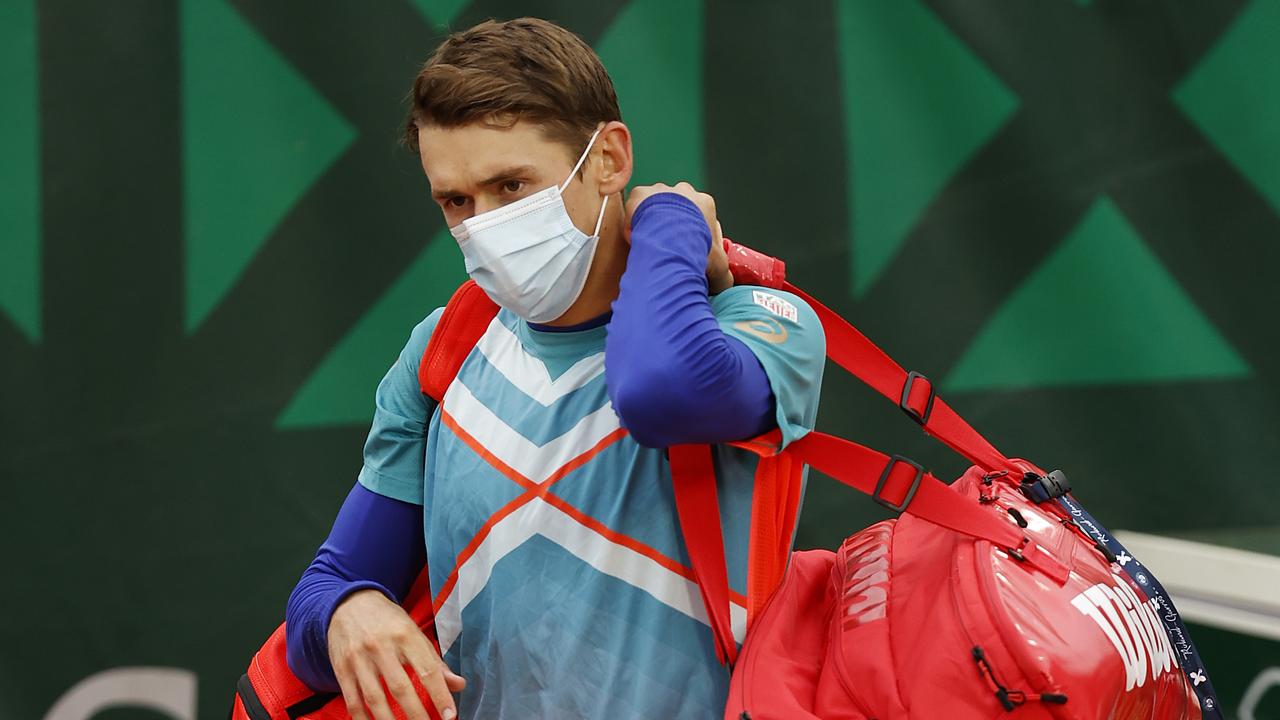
[355, 596]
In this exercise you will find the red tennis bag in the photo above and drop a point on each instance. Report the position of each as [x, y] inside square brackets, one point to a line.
[912, 620]
[996, 596]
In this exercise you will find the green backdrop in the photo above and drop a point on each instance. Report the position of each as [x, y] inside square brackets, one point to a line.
[1066, 213]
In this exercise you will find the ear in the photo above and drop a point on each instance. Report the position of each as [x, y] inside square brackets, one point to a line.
[615, 153]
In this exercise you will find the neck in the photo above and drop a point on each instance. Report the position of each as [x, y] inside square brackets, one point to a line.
[601, 287]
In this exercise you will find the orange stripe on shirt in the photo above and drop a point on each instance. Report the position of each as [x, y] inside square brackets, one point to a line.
[532, 490]
[543, 490]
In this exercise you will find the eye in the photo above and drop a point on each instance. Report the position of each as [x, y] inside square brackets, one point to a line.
[456, 201]
[512, 186]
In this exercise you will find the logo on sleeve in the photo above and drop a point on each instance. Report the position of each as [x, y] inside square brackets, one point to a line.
[776, 305]
[768, 330]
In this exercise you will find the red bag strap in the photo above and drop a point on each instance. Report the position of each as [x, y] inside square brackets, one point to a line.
[896, 482]
[466, 317]
[418, 604]
[917, 492]
[693, 476]
[912, 392]
[912, 489]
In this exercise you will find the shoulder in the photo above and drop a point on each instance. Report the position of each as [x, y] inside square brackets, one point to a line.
[776, 310]
[419, 337]
[785, 335]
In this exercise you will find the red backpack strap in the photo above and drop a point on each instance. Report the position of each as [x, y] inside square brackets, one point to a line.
[466, 317]
[694, 480]
[893, 481]
[904, 486]
[912, 392]
[775, 507]
[775, 504]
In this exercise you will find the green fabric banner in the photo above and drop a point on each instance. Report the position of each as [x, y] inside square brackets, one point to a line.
[211, 248]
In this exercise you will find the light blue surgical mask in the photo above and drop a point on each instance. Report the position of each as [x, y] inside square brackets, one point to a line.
[528, 256]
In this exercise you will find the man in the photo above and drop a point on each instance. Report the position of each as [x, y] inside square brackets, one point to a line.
[620, 335]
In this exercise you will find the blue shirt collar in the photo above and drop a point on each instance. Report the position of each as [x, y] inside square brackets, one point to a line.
[591, 324]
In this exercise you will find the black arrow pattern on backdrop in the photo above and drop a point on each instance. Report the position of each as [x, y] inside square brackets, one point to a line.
[388, 222]
[112, 209]
[1094, 117]
[158, 445]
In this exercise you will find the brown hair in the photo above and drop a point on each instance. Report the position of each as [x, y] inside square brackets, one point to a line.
[522, 69]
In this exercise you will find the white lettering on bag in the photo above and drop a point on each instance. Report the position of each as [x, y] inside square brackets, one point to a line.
[866, 576]
[1132, 627]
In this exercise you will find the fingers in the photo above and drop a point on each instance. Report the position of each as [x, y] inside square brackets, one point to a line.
[456, 683]
[369, 647]
[400, 686]
[705, 203]
[367, 681]
[436, 677]
[719, 276]
[350, 687]
[370, 692]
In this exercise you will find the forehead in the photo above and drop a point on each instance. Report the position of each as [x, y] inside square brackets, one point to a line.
[458, 157]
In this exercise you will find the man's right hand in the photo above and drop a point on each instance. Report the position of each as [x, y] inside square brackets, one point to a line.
[371, 639]
[719, 278]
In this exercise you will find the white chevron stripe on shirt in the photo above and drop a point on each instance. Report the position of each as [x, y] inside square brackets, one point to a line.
[540, 518]
[503, 350]
[533, 461]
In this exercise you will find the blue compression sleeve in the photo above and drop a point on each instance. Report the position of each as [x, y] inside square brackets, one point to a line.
[673, 375]
[376, 542]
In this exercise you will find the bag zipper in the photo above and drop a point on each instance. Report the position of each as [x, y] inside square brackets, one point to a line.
[1009, 699]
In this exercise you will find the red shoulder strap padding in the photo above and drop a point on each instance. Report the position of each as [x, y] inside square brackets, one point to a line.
[418, 604]
[912, 392]
[775, 507]
[853, 351]
[893, 481]
[466, 316]
[693, 477]
[902, 485]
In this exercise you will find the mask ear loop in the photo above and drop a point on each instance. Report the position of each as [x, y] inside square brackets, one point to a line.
[574, 171]
[600, 220]
[581, 159]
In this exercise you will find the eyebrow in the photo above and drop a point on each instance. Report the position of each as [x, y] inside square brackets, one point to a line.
[511, 173]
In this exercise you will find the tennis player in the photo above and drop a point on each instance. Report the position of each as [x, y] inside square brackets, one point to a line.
[620, 334]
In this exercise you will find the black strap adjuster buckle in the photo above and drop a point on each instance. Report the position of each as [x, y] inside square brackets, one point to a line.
[1043, 488]
[884, 478]
[920, 418]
